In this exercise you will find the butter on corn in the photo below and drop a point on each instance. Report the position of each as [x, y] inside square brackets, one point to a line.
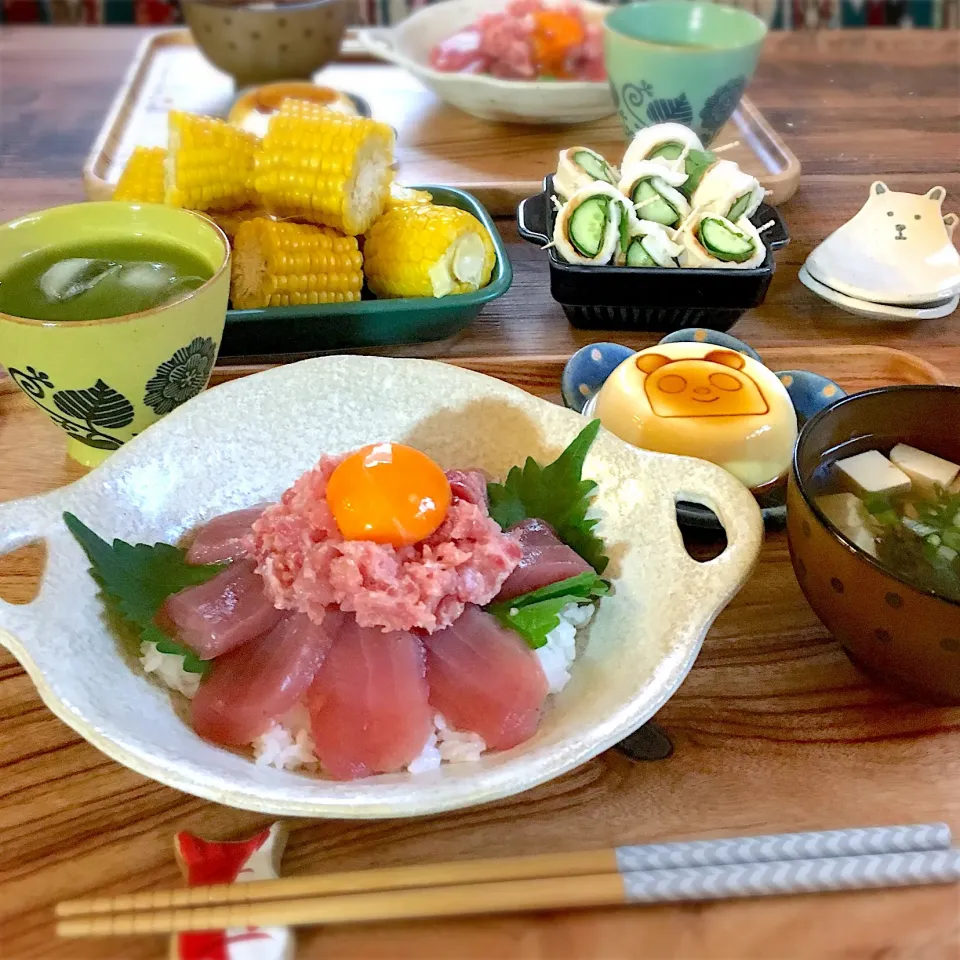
[427, 251]
[400, 196]
[284, 264]
[209, 164]
[325, 167]
[141, 180]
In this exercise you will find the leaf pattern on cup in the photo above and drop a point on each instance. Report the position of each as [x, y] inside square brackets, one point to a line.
[720, 105]
[673, 109]
[83, 414]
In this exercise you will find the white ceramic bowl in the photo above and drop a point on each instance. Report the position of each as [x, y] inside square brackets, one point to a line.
[245, 442]
[512, 101]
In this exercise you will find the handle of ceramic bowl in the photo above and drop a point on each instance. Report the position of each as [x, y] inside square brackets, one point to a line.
[532, 219]
[776, 236]
[696, 481]
[378, 41]
[23, 522]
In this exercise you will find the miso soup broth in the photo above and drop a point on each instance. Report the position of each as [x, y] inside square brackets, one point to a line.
[93, 281]
[900, 504]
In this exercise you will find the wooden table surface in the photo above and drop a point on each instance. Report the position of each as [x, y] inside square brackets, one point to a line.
[855, 107]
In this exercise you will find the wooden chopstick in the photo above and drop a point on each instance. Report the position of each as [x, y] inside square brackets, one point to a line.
[819, 875]
[538, 866]
[552, 893]
[657, 856]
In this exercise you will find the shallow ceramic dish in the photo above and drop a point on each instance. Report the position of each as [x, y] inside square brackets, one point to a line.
[408, 45]
[258, 43]
[903, 635]
[877, 311]
[588, 369]
[369, 322]
[207, 458]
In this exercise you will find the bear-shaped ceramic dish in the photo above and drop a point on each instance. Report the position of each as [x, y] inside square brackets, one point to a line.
[898, 250]
[701, 393]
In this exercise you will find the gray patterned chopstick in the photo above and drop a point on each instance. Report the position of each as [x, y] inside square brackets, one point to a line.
[794, 876]
[784, 846]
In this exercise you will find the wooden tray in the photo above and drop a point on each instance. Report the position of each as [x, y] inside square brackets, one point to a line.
[774, 730]
[500, 164]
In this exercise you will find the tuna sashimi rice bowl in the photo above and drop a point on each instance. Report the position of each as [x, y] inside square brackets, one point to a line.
[353, 564]
[385, 615]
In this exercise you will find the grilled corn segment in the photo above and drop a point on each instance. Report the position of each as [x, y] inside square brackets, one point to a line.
[229, 221]
[142, 178]
[209, 164]
[284, 264]
[326, 167]
[427, 251]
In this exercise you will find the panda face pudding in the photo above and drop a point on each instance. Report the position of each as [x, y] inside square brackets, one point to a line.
[699, 400]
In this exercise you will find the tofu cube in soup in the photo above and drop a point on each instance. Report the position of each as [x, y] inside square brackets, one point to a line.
[924, 469]
[872, 472]
[848, 514]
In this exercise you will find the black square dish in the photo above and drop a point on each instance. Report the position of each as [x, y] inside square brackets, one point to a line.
[650, 298]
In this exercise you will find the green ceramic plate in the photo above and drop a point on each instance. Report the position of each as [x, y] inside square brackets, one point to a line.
[371, 322]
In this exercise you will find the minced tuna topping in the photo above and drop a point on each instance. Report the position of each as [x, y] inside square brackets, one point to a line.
[307, 565]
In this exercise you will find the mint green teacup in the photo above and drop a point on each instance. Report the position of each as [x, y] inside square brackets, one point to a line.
[681, 61]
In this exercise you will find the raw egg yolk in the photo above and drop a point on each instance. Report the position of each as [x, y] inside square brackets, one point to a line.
[388, 493]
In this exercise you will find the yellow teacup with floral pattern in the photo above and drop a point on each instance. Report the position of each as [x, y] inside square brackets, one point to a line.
[105, 381]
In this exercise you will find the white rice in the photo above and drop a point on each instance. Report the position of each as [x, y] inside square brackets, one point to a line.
[288, 744]
[168, 667]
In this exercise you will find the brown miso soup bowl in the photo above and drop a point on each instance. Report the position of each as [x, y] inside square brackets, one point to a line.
[904, 636]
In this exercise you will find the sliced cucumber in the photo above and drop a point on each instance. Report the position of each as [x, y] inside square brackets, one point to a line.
[637, 256]
[624, 225]
[724, 242]
[588, 225]
[739, 208]
[593, 165]
[669, 151]
[660, 210]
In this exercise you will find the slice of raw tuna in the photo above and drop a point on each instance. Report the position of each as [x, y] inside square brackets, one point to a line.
[254, 684]
[546, 559]
[223, 613]
[368, 705]
[483, 678]
[469, 485]
[227, 537]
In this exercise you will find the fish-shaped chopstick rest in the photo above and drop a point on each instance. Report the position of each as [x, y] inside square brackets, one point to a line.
[210, 861]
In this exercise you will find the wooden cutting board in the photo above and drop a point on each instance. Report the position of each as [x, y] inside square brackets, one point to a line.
[501, 164]
[774, 730]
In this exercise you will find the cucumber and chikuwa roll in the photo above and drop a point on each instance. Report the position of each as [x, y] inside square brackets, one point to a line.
[653, 190]
[666, 143]
[710, 240]
[651, 245]
[579, 167]
[593, 226]
[725, 189]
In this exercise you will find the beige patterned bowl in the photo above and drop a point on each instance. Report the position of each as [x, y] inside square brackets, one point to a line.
[243, 443]
[262, 42]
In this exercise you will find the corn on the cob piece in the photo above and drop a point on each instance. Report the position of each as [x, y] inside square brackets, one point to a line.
[325, 167]
[142, 178]
[229, 222]
[401, 196]
[209, 164]
[427, 251]
[283, 264]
